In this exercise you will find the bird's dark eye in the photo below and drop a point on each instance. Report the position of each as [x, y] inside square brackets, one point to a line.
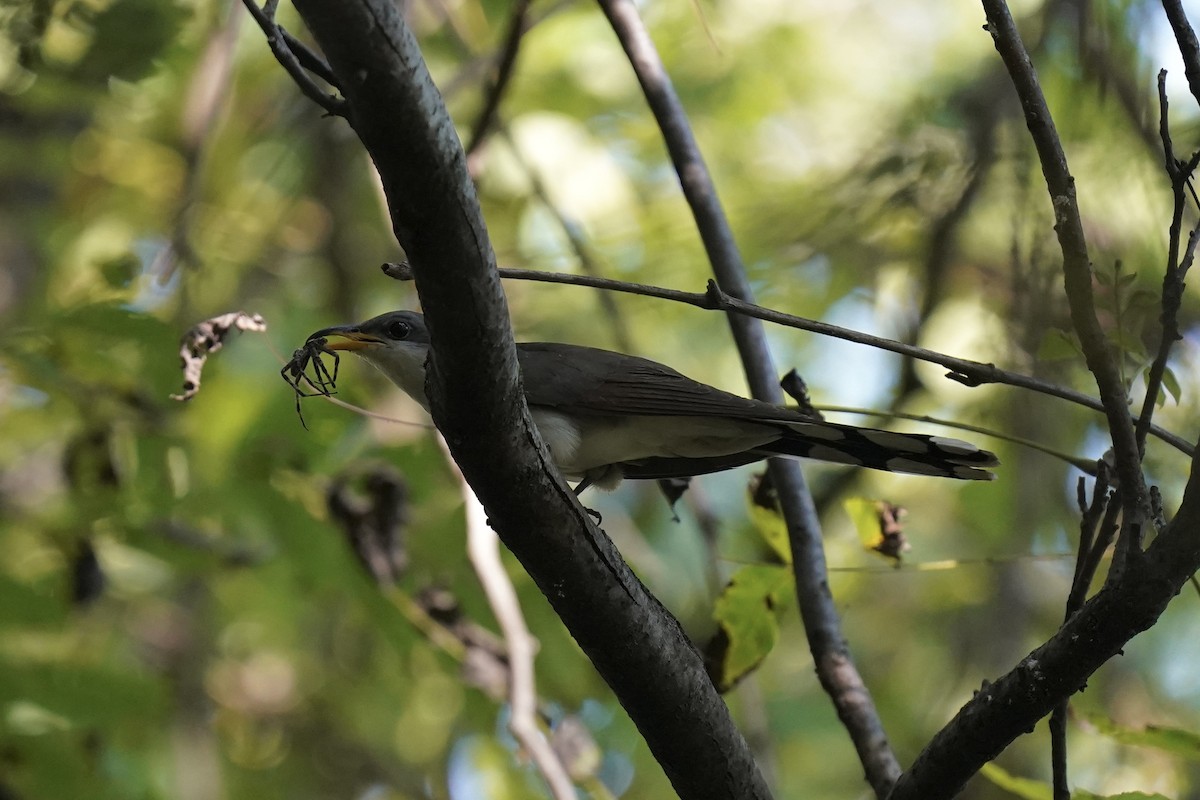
[398, 329]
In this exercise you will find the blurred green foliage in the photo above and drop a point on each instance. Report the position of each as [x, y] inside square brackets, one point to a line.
[181, 615]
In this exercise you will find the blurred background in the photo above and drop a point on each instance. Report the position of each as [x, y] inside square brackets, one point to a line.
[205, 599]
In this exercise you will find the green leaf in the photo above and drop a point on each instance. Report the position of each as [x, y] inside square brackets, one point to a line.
[1057, 345]
[1142, 301]
[1128, 343]
[865, 518]
[770, 524]
[1171, 384]
[1025, 788]
[1178, 741]
[748, 613]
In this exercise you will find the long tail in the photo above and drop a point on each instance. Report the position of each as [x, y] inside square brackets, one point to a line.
[912, 453]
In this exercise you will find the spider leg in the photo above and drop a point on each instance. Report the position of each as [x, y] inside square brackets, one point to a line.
[300, 413]
[293, 371]
[322, 381]
[287, 373]
[336, 360]
[326, 380]
[318, 385]
[320, 392]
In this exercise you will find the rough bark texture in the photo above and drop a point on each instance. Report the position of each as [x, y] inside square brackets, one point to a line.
[474, 386]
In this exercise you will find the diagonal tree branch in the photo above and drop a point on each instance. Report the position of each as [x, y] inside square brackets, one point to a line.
[518, 23]
[478, 404]
[1010, 707]
[1180, 175]
[1189, 47]
[1140, 584]
[296, 58]
[831, 654]
[1077, 268]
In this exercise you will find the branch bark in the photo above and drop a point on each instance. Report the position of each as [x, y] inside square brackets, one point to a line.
[1189, 47]
[1001, 711]
[1140, 584]
[478, 404]
[1077, 267]
[831, 654]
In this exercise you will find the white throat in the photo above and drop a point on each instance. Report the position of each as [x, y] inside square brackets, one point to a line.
[404, 365]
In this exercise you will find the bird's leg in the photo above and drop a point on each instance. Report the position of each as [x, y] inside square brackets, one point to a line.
[593, 513]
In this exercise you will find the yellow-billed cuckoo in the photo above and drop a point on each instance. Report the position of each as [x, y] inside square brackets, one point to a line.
[607, 416]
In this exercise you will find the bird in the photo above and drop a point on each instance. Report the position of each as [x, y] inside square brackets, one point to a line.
[607, 416]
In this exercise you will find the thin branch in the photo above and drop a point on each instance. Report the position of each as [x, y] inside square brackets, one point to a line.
[965, 371]
[309, 59]
[1096, 526]
[476, 66]
[518, 23]
[578, 242]
[1077, 272]
[1075, 264]
[1180, 175]
[296, 62]
[838, 675]
[1189, 48]
[483, 551]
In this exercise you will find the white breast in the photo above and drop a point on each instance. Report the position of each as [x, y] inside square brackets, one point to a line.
[593, 442]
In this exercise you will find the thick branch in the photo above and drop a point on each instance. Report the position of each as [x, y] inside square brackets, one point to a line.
[478, 404]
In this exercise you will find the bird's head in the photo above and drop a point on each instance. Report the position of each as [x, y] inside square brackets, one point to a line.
[397, 343]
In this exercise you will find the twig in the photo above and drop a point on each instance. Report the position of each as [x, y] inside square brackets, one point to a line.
[1180, 174]
[309, 59]
[296, 59]
[1189, 48]
[475, 66]
[517, 25]
[1096, 527]
[965, 371]
[483, 551]
[943, 237]
[1077, 272]
[579, 245]
[838, 675]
